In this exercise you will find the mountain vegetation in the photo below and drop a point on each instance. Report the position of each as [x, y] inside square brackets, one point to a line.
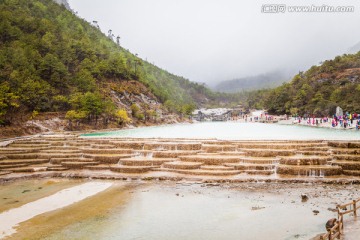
[53, 61]
[318, 91]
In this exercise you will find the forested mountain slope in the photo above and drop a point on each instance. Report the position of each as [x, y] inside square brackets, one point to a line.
[53, 61]
[318, 91]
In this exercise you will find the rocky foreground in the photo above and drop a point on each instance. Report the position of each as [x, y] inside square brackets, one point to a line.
[180, 159]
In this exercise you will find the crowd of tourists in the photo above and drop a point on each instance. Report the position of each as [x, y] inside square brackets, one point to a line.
[347, 120]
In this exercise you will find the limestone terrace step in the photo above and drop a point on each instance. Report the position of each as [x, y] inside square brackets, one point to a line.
[351, 151]
[216, 167]
[61, 151]
[318, 153]
[103, 146]
[129, 144]
[42, 155]
[344, 144]
[347, 157]
[4, 173]
[206, 172]
[55, 169]
[165, 153]
[16, 150]
[16, 145]
[130, 169]
[351, 172]
[107, 150]
[23, 161]
[259, 172]
[172, 146]
[315, 148]
[304, 160]
[63, 148]
[309, 170]
[260, 160]
[61, 155]
[218, 148]
[78, 164]
[13, 166]
[235, 153]
[27, 169]
[244, 166]
[347, 165]
[182, 165]
[60, 160]
[210, 159]
[98, 167]
[145, 161]
[31, 142]
[272, 145]
[108, 158]
[24, 156]
[268, 152]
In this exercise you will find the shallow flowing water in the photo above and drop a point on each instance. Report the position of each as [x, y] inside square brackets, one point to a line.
[192, 211]
[234, 131]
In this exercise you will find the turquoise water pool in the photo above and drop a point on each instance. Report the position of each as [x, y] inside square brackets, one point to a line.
[234, 131]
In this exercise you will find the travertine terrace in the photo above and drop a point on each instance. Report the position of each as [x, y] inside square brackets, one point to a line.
[120, 158]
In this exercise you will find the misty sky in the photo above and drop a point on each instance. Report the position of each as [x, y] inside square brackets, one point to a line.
[214, 40]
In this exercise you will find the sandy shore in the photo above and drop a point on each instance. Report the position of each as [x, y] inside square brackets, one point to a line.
[11, 218]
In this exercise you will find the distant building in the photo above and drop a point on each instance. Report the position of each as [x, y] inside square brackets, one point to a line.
[214, 114]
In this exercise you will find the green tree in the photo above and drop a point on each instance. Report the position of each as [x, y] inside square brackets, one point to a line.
[92, 104]
[60, 103]
[85, 81]
[122, 117]
[187, 109]
[35, 95]
[54, 71]
[73, 115]
[8, 100]
[134, 109]
[150, 115]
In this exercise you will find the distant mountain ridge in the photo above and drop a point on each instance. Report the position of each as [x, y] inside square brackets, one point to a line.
[355, 48]
[268, 80]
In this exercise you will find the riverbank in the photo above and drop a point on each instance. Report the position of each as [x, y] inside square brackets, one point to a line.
[293, 121]
[145, 210]
[50, 123]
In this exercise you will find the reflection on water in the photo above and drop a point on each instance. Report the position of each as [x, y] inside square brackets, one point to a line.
[193, 212]
[235, 131]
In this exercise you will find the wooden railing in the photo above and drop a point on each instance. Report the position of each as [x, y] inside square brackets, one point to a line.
[338, 228]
